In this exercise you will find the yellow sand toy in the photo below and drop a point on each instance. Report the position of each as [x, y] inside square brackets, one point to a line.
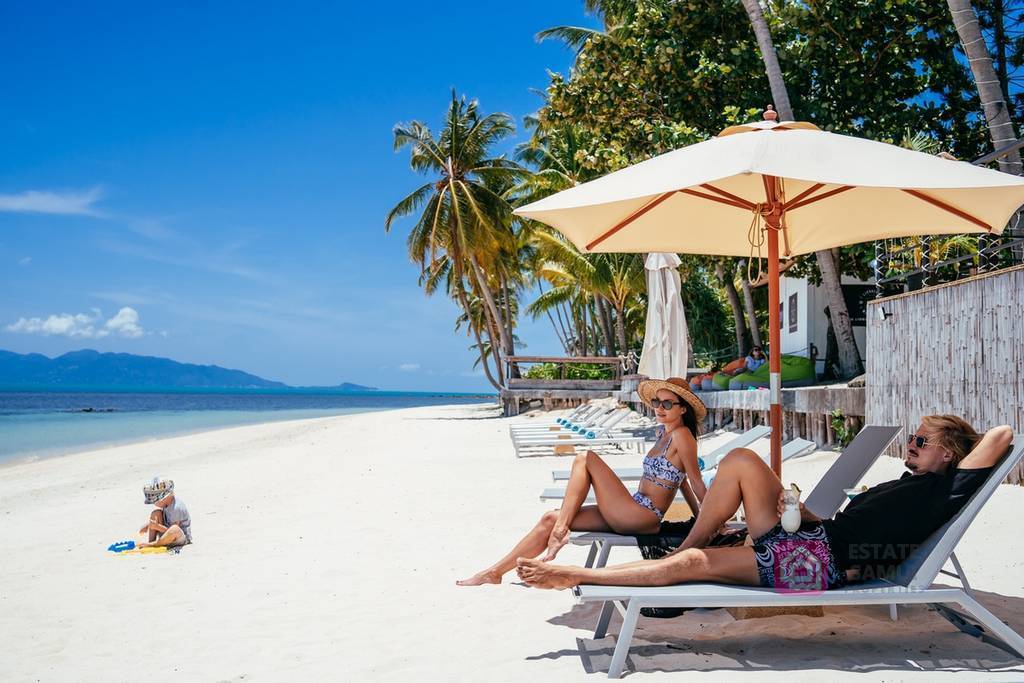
[153, 550]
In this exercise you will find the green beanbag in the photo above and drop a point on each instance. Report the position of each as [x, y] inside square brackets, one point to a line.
[797, 371]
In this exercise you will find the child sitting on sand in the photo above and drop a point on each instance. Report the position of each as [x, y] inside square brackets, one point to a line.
[169, 524]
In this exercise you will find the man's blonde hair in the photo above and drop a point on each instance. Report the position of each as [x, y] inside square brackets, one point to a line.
[952, 433]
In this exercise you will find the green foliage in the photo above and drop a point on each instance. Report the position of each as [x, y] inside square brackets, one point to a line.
[568, 371]
[673, 73]
[843, 435]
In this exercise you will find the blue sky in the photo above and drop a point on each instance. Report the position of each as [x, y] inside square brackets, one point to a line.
[222, 171]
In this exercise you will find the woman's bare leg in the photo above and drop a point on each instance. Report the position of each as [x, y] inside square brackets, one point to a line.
[616, 504]
[742, 478]
[721, 565]
[531, 545]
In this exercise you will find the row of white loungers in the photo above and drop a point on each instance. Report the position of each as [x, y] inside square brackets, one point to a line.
[590, 416]
[603, 436]
[601, 423]
[912, 584]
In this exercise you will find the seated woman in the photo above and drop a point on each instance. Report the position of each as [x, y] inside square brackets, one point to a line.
[671, 464]
[752, 362]
[948, 462]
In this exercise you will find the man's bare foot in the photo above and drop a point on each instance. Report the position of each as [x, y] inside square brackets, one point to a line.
[559, 537]
[480, 578]
[540, 574]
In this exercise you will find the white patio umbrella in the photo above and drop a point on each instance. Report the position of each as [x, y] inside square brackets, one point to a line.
[735, 194]
[664, 352]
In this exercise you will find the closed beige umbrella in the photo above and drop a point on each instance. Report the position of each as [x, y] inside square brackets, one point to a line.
[763, 187]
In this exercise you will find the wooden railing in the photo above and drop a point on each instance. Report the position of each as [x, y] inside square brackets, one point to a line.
[562, 361]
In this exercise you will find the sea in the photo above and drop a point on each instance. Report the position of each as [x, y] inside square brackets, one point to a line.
[40, 424]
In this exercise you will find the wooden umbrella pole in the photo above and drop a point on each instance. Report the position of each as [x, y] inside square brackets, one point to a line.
[774, 219]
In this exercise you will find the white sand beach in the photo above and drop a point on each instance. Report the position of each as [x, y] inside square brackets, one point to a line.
[327, 549]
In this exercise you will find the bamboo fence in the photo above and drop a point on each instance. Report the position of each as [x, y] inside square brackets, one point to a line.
[956, 349]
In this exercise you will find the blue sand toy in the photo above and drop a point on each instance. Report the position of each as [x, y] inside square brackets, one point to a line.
[121, 546]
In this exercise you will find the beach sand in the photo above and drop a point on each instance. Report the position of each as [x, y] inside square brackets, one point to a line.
[328, 549]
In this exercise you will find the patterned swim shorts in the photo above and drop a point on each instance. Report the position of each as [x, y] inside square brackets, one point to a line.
[798, 561]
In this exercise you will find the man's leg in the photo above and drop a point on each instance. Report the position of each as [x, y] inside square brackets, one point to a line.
[720, 565]
[743, 477]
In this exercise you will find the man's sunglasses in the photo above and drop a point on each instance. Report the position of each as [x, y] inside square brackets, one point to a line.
[919, 441]
[664, 405]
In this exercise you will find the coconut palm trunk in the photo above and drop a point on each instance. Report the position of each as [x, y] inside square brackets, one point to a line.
[606, 325]
[990, 88]
[737, 310]
[849, 356]
[748, 305]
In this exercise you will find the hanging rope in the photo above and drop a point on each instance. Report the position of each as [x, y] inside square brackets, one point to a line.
[756, 238]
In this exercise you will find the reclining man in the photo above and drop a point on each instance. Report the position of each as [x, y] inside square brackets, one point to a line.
[947, 461]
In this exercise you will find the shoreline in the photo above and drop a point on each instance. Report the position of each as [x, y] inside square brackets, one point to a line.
[242, 418]
[329, 547]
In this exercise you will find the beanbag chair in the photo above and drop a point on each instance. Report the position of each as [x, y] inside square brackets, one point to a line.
[797, 371]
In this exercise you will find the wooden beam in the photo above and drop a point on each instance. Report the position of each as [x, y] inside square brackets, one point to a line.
[721, 200]
[750, 205]
[946, 207]
[823, 195]
[629, 219]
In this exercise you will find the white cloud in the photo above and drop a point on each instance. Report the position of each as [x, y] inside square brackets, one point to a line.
[73, 203]
[409, 367]
[25, 261]
[82, 325]
[125, 323]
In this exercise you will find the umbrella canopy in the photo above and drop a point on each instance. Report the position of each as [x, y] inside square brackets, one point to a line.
[787, 186]
[833, 190]
[664, 353]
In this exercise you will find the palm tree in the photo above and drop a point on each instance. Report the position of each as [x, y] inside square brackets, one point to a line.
[990, 88]
[849, 356]
[461, 219]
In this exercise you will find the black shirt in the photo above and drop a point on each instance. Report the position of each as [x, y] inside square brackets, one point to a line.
[885, 524]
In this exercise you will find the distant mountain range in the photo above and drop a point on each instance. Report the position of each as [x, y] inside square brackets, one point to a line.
[88, 368]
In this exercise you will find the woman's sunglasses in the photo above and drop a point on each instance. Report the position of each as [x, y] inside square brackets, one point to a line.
[919, 441]
[664, 405]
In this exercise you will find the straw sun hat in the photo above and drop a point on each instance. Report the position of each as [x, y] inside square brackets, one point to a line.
[649, 388]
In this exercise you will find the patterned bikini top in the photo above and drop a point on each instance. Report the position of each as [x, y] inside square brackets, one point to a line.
[659, 470]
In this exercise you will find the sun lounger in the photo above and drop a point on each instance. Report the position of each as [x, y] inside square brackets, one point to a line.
[790, 450]
[589, 418]
[602, 426]
[546, 446]
[741, 440]
[912, 584]
[602, 542]
[824, 500]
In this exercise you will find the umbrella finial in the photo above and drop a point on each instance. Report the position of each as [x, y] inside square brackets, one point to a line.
[770, 114]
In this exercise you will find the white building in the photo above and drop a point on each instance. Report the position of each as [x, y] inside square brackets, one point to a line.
[804, 323]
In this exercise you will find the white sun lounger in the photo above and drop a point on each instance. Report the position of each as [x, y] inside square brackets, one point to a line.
[790, 450]
[824, 500]
[602, 426]
[741, 440]
[589, 418]
[912, 584]
[545, 446]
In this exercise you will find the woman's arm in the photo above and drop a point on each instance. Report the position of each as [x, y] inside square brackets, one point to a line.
[690, 497]
[992, 446]
[684, 448]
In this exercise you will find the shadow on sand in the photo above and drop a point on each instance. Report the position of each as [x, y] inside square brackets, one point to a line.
[854, 639]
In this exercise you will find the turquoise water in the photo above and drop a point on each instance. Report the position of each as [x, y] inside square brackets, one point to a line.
[42, 424]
